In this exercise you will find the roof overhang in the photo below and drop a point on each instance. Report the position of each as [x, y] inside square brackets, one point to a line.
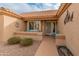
[40, 18]
[62, 9]
[45, 15]
[40, 15]
[3, 11]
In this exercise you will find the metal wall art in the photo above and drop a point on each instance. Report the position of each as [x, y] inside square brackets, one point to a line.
[69, 17]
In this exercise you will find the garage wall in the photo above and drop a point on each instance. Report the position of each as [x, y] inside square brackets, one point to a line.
[71, 28]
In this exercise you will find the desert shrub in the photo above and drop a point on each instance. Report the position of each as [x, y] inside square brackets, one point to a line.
[26, 41]
[14, 40]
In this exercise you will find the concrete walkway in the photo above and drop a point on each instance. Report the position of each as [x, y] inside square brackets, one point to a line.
[47, 48]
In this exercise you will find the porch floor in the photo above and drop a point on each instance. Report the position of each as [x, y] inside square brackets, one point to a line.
[47, 47]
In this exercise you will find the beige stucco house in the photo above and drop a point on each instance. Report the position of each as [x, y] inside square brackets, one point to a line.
[64, 21]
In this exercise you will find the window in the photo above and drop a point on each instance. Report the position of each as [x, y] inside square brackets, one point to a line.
[34, 25]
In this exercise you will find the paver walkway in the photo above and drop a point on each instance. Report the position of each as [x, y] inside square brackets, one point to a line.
[47, 47]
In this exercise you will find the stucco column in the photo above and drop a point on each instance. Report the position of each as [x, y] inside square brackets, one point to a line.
[28, 26]
[42, 26]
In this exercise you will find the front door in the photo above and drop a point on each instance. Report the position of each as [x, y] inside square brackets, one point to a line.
[48, 27]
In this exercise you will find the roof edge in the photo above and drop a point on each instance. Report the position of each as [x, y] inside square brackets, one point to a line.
[39, 11]
[9, 13]
[62, 9]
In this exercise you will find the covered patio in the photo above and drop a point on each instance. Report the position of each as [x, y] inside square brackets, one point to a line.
[42, 26]
[43, 21]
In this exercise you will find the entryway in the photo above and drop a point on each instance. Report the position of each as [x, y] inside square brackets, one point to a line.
[49, 28]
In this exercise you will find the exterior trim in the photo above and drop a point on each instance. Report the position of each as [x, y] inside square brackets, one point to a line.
[54, 18]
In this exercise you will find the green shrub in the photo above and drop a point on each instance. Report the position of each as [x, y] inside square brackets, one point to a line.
[14, 40]
[26, 42]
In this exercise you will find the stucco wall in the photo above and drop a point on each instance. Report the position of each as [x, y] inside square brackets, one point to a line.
[1, 27]
[42, 26]
[10, 26]
[71, 29]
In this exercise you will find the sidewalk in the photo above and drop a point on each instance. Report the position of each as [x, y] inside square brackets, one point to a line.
[47, 48]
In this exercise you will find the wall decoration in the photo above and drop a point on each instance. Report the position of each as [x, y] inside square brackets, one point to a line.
[17, 25]
[69, 17]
